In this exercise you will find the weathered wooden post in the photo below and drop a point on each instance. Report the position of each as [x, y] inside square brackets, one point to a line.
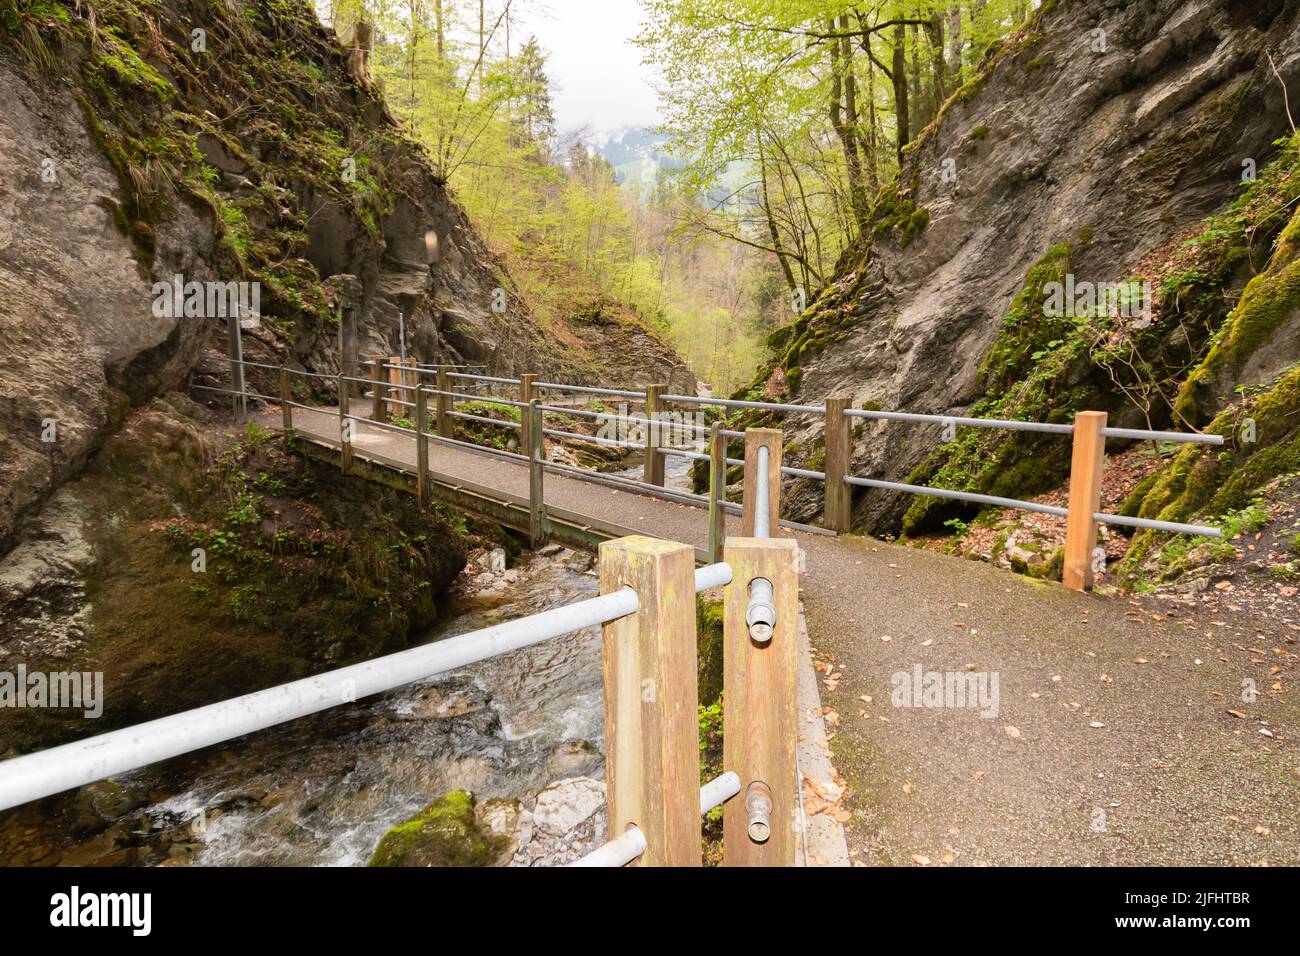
[442, 419]
[653, 471]
[377, 387]
[717, 491]
[1086, 463]
[286, 410]
[760, 827]
[527, 392]
[652, 753]
[837, 508]
[536, 496]
[754, 439]
[394, 392]
[236, 348]
[345, 434]
[421, 447]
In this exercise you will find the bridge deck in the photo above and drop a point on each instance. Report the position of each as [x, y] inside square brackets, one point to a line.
[1170, 777]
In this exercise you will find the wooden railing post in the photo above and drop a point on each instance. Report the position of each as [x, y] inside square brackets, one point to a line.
[442, 420]
[377, 386]
[345, 435]
[652, 753]
[653, 471]
[395, 393]
[1086, 463]
[760, 824]
[286, 410]
[526, 396]
[837, 509]
[536, 496]
[754, 439]
[421, 447]
[717, 491]
[236, 348]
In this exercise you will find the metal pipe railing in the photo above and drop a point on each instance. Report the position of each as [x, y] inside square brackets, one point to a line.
[762, 520]
[588, 390]
[36, 775]
[999, 423]
[630, 844]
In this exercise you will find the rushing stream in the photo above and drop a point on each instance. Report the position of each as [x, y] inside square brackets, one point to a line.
[324, 789]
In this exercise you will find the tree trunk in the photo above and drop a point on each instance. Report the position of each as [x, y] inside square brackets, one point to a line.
[844, 84]
[771, 220]
[899, 70]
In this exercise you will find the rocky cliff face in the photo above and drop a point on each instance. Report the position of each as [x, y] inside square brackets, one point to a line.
[1091, 144]
[132, 150]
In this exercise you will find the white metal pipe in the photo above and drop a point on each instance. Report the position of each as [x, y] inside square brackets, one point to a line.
[718, 791]
[999, 423]
[36, 775]
[620, 851]
[712, 576]
[630, 844]
[1142, 434]
[762, 520]
[1155, 525]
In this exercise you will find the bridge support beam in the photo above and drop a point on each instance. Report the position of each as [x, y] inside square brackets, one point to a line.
[760, 826]
[377, 388]
[653, 471]
[717, 491]
[1086, 463]
[652, 754]
[536, 491]
[755, 438]
[837, 508]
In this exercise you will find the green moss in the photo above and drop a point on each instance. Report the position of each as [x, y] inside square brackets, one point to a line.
[1268, 300]
[980, 132]
[708, 630]
[445, 833]
[1026, 330]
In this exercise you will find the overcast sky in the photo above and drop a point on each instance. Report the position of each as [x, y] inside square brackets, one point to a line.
[597, 72]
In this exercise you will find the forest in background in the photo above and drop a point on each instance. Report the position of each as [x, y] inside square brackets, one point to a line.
[787, 118]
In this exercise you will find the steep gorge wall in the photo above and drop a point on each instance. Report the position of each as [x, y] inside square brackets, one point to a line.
[128, 156]
[1064, 155]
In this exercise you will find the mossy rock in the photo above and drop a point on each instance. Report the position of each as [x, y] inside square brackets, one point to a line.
[445, 833]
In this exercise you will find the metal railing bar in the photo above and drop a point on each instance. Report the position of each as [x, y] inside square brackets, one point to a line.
[1155, 525]
[803, 473]
[303, 372]
[36, 775]
[500, 423]
[274, 368]
[737, 403]
[630, 844]
[483, 378]
[762, 520]
[1191, 438]
[485, 399]
[999, 423]
[555, 433]
[957, 495]
[588, 389]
